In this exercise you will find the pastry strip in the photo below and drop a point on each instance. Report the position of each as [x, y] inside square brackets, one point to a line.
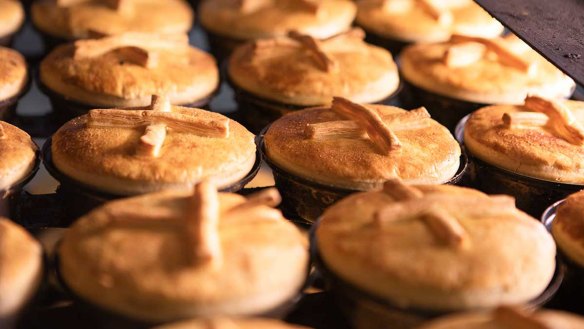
[561, 119]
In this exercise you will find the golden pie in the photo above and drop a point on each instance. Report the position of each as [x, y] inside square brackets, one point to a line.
[543, 138]
[80, 19]
[254, 19]
[18, 155]
[436, 248]
[125, 70]
[300, 70]
[425, 20]
[225, 323]
[11, 19]
[152, 148]
[568, 228]
[14, 74]
[506, 318]
[176, 255]
[358, 147]
[21, 269]
[480, 70]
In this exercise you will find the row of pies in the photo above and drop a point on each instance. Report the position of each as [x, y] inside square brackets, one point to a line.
[272, 77]
[173, 255]
[318, 155]
[230, 22]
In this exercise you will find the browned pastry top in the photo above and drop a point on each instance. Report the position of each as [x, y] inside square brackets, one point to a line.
[20, 267]
[568, 227]
[440, 248]
[253, 19]
[80, 19]
[225, 323]
[426, 20]
[183, 255]
[324, 146]
[18, 154]
[305, 71]
[487, 71]
[143, 150]
[534, 143]
[11, 16]
[14, 73]
[125, 70]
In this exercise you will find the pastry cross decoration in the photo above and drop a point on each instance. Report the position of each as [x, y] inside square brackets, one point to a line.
[157, 118]
[441, 223]
[467, 50]
[295, 39]
[138, 48]
[511, 317]
[360, 121]
[547, 113]
[250, 6]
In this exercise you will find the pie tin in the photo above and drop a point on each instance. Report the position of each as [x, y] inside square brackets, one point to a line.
[365, 310]
[256, 112]
[307, 199]
[574, 279]
[446, 110]
[107, 318]
[6, 41]
[222, 46]
[8, 106]
[10, 197]
[66, 109]
[79, 198]
[394, 46]
[50, 41]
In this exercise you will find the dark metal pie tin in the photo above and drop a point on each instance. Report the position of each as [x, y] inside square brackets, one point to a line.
[308, 199]
[574, 280]
[9, 198]
[394, 46]
[222, 46]
[66, 109]
[6, 41]
[8, 106]
[366, 310]
[446, 110]
[257, 112]
[79, 198]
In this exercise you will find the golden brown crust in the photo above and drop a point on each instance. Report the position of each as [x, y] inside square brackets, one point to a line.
[20, 267]
[79, 20]
[105, 156]
[568, 227]
[370, 240]
[14, 73]
[288, 73]
[18, 155]
[111, 79]
[225, 323]
[531, 150]
[136, 250]
[11, 16]
[277, 18]
[428, 154]
[489, 80]
[547, 318]
[415, 24]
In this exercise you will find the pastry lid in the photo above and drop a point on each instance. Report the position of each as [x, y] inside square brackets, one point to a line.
[19, 155]
[21, 262]
[14, 77]
[11, 16]
[568, 227]
[301, 70]
[426, 20]
[225, 323]
[358, 147]
[185, 254]
[488, 71]
[124, 70]
[508, 317]
[79, 19]
[545, 137]
[472, 251]
[151, 148]
[254, 19]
